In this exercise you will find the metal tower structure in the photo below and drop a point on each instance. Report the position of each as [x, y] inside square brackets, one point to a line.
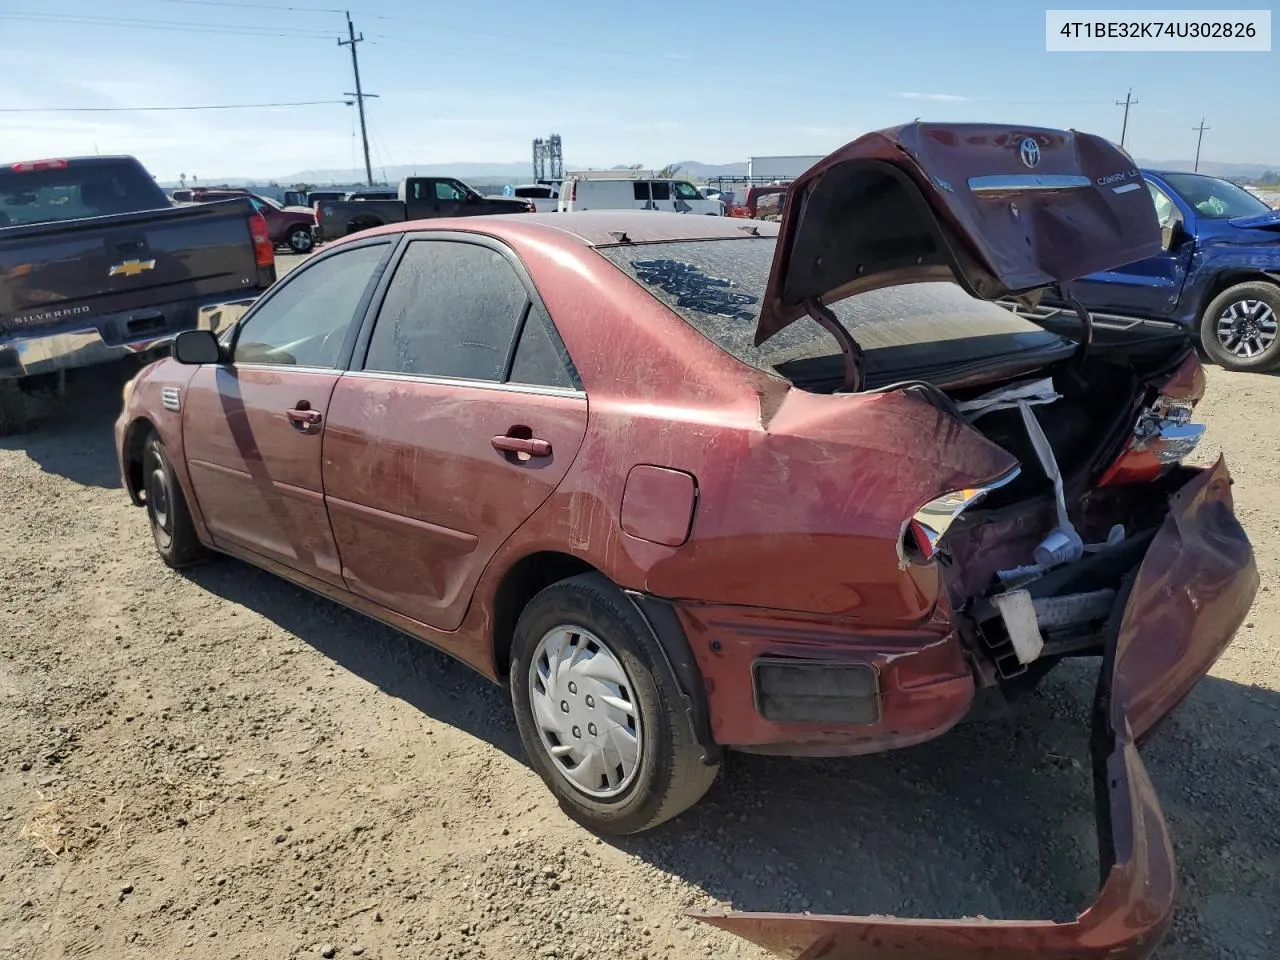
[548, 159]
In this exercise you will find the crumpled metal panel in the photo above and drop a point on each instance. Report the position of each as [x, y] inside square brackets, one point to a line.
[1191, 593]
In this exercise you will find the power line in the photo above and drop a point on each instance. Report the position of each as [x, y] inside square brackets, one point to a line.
[1199, 140]
[138, 23]
[1126, 103]
[211, 106]
[254, 6]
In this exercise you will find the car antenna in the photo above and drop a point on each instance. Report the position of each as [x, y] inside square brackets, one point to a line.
[620, 236]
[750, 228]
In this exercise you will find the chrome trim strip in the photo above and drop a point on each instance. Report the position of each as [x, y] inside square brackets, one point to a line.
[1023, 182]
[459, 382]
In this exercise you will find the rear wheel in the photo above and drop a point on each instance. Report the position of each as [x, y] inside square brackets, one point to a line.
[1240, 328]
[171, 524]
[301, 239]
[599, 712]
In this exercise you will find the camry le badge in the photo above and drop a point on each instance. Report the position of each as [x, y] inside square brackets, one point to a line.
[131, 268]
[1030, 151]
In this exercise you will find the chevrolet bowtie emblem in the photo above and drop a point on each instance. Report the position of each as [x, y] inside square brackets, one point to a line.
[131, 268]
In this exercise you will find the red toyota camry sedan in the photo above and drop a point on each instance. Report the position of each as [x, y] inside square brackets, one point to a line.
[693, 484]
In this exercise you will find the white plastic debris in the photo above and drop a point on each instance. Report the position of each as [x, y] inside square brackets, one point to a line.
[1018, 612]
[1006, 398]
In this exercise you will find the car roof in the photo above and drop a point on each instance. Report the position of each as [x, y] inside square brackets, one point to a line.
[591, 228]
[598, 228]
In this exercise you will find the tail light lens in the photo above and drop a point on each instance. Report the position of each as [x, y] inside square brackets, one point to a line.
[264, 252]
[573, 191]
[1164, 434]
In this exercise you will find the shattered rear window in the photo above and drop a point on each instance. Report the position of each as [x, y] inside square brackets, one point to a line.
[717, 286]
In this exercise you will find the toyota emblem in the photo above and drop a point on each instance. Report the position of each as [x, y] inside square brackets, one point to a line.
[1030, 151]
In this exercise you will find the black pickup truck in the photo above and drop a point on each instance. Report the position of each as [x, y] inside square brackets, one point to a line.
[97, 265]
[419, 198]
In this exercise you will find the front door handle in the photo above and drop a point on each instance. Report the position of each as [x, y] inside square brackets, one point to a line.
[529, 446]
[305, 419]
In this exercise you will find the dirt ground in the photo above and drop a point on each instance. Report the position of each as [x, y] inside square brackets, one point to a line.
[220, 764]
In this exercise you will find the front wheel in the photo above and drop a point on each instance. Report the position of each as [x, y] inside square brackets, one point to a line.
[301, 240]
[599, 711]
[1240, 329]
[171, 524]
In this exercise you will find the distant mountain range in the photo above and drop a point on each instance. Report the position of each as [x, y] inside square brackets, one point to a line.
[513, 173]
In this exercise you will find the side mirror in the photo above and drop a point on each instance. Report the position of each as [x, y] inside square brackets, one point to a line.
[1171, 233]
[196, 347]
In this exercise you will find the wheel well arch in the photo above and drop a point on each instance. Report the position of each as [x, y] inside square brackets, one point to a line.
[135, 440]
[1229, 278]
[521, 582]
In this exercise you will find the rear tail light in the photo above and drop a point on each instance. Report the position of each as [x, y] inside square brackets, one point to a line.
[31, 166]
[263, 250]
[920, 537]
[1162, 437]
[573, 191]
[1164, 434]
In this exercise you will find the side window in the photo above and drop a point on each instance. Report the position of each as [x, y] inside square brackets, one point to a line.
[541, 358]
[1165, 211]
[451, 310]
[661, 190]
[641, 188]
[448, 191]
[305, 322]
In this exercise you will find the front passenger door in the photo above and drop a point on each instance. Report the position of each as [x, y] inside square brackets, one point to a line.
[253, 428]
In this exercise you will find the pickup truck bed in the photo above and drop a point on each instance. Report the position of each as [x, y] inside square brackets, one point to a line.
[82, 291]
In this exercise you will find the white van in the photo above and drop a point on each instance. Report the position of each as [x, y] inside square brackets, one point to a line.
[678, 196]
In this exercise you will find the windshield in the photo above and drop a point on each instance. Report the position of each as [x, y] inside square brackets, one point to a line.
[1215, 198]
[717, 287]
[686, 191]
[75, 191]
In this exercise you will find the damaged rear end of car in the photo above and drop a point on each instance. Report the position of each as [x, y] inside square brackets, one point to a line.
[1091, 537]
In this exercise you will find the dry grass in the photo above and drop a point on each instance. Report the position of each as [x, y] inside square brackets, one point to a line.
[72, 824]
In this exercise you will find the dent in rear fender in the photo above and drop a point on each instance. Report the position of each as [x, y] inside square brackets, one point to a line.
[805, 510]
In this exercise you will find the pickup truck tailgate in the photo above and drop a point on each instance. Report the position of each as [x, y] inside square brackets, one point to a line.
[124, 266]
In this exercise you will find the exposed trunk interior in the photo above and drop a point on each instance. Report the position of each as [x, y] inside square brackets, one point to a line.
[1087, 429]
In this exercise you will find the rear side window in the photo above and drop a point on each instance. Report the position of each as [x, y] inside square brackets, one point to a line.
[541, 358]
[78, 190]
[305, 322]
[451, 310]
[662, 191]
[641, 190]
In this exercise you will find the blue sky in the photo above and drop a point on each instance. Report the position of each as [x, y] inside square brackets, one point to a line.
[644, 83]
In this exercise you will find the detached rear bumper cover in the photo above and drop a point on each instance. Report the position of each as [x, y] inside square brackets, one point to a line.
[1191, 593]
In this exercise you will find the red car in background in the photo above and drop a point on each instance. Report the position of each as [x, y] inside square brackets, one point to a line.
[292, 227]
[688, 485]
[749, 207]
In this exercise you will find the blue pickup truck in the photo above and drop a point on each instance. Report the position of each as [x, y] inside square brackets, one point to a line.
[1217, 278]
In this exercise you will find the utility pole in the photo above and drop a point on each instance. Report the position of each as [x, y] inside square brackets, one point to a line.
[360, 95]
[1127, 102]
[1199, 140]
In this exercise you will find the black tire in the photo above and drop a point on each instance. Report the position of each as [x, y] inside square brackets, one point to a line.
[300, 239]
[1254, 303]
[670, 776]
[17, 409]
[171, 524]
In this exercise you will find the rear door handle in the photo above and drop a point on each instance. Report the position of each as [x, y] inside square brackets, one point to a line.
[532, 446]
[304, 419]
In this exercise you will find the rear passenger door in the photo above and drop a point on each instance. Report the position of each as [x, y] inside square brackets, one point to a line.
[460, 416]
[643, 199]
[661, 192]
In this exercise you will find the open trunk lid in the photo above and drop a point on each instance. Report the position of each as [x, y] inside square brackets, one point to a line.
[1191, 592]
[1003, 211]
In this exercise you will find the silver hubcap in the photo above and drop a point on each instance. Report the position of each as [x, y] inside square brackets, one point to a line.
[301, 241]
[1247, 328]
[585, 710]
